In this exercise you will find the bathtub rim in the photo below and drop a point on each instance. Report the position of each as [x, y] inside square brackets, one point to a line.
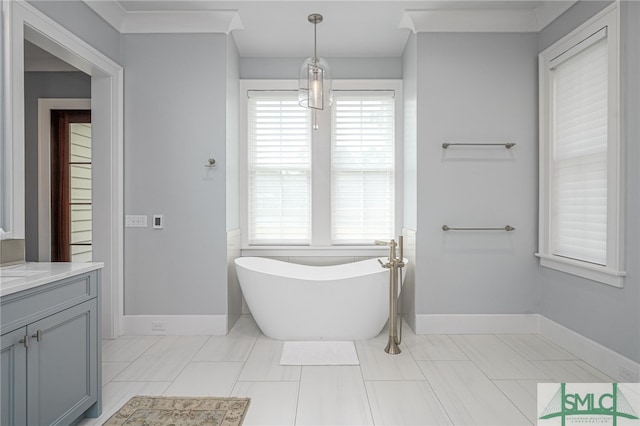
[295, 267]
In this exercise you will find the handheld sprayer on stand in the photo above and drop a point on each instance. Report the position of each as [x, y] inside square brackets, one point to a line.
[395, 265]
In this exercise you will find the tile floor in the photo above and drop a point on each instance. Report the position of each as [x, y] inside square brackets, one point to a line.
[436, 380]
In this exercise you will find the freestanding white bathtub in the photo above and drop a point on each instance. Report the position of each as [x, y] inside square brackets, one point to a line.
[298, 302]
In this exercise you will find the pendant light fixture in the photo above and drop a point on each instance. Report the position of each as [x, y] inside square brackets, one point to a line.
[314, 87]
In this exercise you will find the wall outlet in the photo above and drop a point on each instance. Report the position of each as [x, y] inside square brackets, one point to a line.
[628, 376]
[135, 221]
[158, 326]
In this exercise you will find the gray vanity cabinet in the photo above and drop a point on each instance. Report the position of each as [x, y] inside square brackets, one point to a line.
[60, 373]
[13, 369]
[55, 377]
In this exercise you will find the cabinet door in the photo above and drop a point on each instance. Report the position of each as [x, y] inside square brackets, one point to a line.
[13, 372]
[62, 371]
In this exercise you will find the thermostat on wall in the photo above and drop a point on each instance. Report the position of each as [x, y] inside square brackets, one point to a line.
[158, 221]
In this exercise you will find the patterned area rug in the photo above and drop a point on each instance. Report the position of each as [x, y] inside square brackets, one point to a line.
[180, 411]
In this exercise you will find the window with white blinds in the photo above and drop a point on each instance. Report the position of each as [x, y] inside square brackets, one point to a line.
[279, 169]
[331, 187]
[579, 173]
[581, 222]
[362, 160]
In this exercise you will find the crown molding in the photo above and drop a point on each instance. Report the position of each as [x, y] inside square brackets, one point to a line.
[433, 20]
[484, 20]
[548, 11]
[202, 21]
[109, 10]
[465, 21]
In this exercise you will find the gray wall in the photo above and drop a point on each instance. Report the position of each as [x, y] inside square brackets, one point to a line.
[410, 182]
[568, 21]
[81, 20]
[175, 119]
[476, 88]
[470, 87]
[410, 143]
[42, 85]
[341, 68]
[232, 161]
[607, 315]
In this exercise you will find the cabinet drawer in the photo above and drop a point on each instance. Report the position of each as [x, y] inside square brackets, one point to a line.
[27, 306]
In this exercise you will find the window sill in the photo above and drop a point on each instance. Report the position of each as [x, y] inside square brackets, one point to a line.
[592, 272]
[311, 251]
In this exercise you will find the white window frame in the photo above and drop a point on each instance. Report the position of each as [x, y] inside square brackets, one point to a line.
[321, 172]
[613, 272]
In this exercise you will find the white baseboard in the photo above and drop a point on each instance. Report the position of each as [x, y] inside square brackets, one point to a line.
[477, 324]
[177, 325]
[604, 359]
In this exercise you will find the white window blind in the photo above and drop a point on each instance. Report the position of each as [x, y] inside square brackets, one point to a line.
[279, 169]
[579, 152]
[362, 157]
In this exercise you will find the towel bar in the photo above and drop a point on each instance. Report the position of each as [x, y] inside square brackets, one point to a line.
[505, 228]
[507, 145]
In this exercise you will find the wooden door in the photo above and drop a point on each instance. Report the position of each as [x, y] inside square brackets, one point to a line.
[71, 185]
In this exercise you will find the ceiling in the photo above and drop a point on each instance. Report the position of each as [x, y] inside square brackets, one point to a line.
[360, 28]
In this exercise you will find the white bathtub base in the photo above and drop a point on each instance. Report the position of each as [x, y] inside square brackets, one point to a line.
[299, 302]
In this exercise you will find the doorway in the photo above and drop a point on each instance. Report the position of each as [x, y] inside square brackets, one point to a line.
[71, 199]
[24, 22]
[46, 106]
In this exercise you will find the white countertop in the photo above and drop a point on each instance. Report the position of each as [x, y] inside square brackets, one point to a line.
[28, 275]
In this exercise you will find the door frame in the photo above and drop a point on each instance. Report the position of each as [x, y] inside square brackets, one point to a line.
[24, 22]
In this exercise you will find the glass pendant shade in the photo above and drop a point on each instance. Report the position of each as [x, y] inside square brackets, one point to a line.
[314, 87]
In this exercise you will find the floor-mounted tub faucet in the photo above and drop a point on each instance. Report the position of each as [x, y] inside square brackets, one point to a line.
[395, 264]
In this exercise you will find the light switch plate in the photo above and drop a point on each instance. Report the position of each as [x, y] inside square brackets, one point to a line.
[135, 221]
[158, 221]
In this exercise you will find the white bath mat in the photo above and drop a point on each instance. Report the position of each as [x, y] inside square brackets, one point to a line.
[319, 353]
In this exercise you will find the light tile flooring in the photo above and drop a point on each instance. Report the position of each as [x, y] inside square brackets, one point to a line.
[436, 380]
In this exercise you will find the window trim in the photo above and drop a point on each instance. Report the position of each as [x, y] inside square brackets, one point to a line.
[321, 225]
[613, 273]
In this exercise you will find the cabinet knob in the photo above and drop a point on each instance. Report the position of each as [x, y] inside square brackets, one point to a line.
[38, 336]
[25, 341]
